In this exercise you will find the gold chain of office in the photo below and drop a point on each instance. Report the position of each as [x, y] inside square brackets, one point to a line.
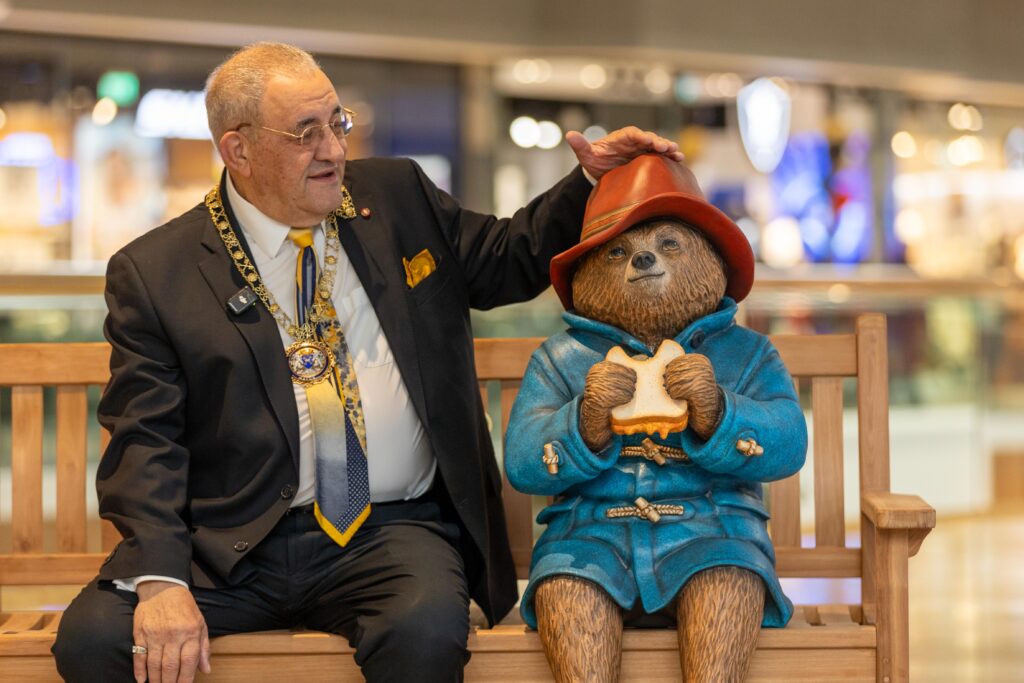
[307, 331]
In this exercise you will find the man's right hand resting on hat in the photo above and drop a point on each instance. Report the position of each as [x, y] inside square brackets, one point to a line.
[617, 148]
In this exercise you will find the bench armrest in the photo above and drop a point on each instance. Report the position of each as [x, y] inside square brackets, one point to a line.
[897, 511]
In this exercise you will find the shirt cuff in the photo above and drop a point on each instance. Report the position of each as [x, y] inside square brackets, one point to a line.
[132, 582]
[592, 179]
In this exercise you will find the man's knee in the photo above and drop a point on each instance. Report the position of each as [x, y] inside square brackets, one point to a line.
[437, 623]
[94, 638]
[424, 638]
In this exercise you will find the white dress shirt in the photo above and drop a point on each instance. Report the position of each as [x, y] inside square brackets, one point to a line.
[401, 462]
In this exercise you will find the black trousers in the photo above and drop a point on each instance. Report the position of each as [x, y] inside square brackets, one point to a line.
[397, 591]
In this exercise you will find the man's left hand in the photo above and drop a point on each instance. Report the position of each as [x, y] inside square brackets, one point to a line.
[619, 147]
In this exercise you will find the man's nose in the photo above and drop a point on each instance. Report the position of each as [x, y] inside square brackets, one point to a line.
[332, 148]
[642, 260]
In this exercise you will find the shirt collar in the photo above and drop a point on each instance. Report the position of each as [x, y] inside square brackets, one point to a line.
[721, 319]
[259, 228]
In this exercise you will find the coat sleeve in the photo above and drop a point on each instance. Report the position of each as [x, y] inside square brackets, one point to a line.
[766, 410]
[506, 260]
[546, 411]
[143, 476]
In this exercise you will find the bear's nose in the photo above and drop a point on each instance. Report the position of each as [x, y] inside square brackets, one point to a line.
[642, 260]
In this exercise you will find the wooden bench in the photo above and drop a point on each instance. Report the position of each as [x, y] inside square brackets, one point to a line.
[859, 642]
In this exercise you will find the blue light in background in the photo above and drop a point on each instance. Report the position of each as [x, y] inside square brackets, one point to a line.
[831, 203]
[57, 177]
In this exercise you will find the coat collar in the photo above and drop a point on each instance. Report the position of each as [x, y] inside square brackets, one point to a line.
[256, 325]
[721, 319]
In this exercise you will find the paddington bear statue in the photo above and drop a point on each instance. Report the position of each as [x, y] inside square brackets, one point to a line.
[655, 519]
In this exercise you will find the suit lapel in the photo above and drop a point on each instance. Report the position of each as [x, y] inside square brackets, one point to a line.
[257, 327]
[370, 248]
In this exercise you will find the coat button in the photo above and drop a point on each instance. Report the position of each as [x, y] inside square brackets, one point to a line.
[241, 546]
[697, 339]
[365, 212]
[749, 447]
[288, 492]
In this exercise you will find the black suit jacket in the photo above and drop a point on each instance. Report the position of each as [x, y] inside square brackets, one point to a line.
[205, 445]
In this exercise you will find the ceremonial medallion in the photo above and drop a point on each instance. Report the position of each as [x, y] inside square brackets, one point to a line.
[310, 362]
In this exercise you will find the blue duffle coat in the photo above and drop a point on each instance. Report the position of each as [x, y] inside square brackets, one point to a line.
[724, 517]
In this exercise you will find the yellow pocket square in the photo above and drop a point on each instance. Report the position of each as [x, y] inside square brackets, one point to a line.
[417, 270]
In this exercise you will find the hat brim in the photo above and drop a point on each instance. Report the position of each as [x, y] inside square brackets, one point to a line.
[729, 241]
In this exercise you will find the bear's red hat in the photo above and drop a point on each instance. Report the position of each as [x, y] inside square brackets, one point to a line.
[654, 186]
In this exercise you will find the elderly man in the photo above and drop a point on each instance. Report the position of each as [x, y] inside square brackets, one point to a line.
[297, 437]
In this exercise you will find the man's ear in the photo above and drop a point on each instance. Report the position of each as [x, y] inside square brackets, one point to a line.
[234, 150]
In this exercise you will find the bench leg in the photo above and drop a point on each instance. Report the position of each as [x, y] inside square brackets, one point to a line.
[892, 551]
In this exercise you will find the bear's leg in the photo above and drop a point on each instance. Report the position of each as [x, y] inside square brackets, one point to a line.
[720, 612]
[581, 628]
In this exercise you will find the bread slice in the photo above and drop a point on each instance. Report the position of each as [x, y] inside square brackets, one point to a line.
[652, 410]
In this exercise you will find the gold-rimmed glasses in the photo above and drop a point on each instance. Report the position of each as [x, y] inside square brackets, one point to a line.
[311, 136]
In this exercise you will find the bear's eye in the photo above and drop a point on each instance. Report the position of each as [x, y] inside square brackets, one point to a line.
[616, 253]
[669, 244]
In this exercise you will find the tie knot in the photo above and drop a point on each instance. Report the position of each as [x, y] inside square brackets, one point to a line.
[302, 237]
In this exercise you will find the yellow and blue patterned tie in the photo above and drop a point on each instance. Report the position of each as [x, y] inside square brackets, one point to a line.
[336, 412]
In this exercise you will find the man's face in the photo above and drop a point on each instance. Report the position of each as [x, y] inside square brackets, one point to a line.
[293, 183]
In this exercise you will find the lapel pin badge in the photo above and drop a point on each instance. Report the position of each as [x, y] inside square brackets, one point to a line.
[242, 300]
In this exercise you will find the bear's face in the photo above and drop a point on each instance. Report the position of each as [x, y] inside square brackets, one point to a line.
[651, 281]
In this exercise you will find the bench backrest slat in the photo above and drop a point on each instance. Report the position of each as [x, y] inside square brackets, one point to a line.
[784, 508]
[72, 451]
[872, 436]
[784, 501]
[55, 364]
[812, 563]
[816, 355]
[873, 403]
[27, 469]
[827, 409]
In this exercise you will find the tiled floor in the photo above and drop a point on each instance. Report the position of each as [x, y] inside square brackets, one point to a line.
[966, 601]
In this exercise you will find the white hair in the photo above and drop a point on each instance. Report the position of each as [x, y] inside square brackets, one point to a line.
[235, 88]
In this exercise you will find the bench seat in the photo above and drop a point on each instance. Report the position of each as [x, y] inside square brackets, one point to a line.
[825, 637]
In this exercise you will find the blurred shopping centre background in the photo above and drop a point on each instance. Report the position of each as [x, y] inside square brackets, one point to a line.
[873, 153]
[897, 185]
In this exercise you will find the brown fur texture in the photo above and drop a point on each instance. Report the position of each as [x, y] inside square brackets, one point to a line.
[607, 385]
[685, 281]
[692, 379]
[581, 629]
[719, 612]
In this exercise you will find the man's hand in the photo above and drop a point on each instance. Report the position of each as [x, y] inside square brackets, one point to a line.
[168, 623]
[617, 148]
